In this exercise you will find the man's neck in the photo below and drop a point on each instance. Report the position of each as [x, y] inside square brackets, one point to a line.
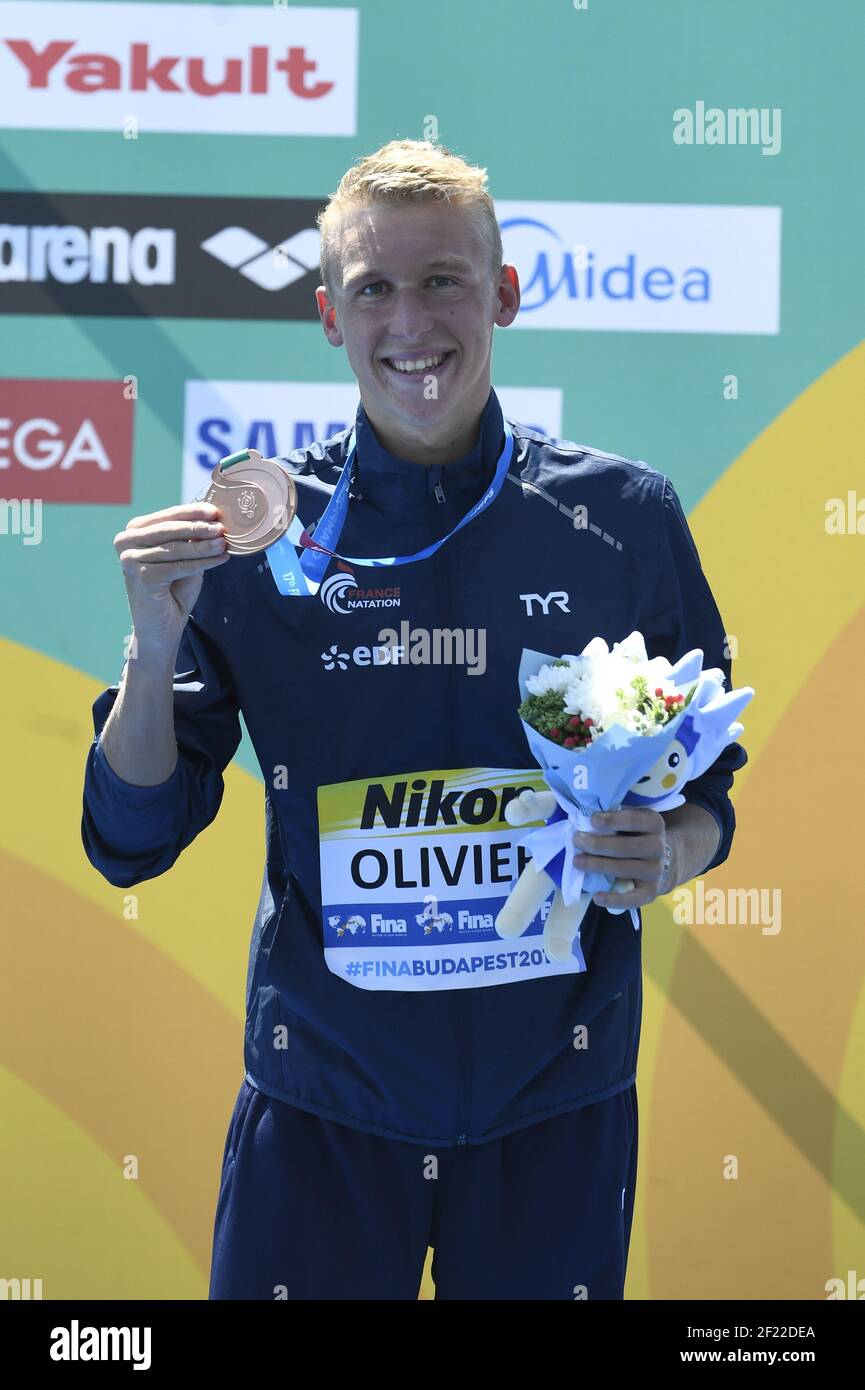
[439, 451]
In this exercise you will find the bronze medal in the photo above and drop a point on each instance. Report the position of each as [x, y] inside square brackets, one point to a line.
[258, 501]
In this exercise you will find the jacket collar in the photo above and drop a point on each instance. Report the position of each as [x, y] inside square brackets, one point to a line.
[379, 472]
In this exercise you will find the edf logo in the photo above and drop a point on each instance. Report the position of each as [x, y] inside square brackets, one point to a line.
[558, 597]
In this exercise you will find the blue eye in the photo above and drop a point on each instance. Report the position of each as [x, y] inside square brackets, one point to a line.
[373, 284]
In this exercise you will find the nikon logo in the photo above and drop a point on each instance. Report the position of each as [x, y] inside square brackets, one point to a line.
[427, 803]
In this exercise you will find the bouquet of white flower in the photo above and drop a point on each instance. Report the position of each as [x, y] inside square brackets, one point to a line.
[609, 729]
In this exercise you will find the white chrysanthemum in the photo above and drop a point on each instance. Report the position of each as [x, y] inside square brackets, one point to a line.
[549, 678]
[596, 648]
[604, 691]
[595, 695]
[599, 684]
[657, 672]
[632, 648]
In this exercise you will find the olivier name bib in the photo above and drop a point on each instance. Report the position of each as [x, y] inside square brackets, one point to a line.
[414, 870]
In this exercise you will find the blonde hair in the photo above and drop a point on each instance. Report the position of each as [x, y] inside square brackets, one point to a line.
[409, 171]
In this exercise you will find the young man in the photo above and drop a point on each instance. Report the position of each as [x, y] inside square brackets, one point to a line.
[386, 1108]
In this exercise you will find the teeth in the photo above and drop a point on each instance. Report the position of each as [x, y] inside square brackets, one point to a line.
[417, 366]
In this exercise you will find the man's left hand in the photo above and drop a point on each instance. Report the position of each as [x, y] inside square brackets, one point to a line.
[629, 843]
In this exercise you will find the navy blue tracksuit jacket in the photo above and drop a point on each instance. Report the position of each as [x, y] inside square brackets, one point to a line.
[449, 1066]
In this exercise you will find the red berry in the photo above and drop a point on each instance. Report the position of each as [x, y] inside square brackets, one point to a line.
[659, 690]
[555, 733]
[573, 722]
[588, 722]
[569, 742]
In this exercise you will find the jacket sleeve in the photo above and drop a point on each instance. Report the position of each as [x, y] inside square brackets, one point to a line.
[684, 615]
[131, 833]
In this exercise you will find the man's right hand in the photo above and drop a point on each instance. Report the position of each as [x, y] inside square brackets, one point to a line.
[163, 556]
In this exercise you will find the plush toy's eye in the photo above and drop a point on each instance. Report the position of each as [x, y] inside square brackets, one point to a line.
[643, 779]
[673, 760]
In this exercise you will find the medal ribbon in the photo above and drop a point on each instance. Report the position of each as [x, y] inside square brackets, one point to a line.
[298, 561]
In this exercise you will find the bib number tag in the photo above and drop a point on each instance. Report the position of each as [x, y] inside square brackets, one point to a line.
[414, 870]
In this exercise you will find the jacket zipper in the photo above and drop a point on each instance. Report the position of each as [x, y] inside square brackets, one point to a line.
[463, 1044]
[463, 1035]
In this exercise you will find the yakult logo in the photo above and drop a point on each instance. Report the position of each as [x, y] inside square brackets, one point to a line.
[254, 69]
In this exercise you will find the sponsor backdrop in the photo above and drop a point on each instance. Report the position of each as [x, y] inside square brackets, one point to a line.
[680, 187]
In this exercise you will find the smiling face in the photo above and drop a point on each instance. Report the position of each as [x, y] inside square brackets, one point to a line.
[416, 283]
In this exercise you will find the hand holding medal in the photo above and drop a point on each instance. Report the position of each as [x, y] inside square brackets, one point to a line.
[258, 500]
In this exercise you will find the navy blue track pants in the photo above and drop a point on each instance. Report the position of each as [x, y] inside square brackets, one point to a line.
[309, 1209]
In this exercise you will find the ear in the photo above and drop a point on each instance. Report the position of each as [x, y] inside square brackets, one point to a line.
[508, 295]
[327, 314]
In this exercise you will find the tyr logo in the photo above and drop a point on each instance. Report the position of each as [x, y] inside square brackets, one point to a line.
[558, 597]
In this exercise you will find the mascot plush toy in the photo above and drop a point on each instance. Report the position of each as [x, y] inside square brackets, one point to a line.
[535, 884]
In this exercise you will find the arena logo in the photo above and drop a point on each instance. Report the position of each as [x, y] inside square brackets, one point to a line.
[269, 267]
[197, 257]
[340, 593]
[71, 254]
